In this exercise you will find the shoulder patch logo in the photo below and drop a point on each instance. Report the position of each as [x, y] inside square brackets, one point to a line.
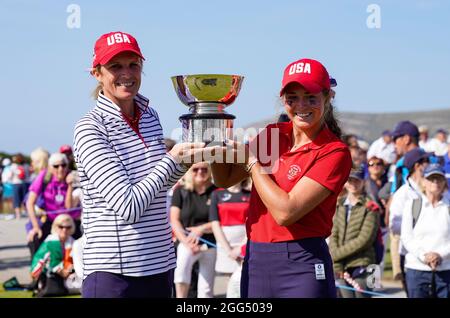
[294, 170]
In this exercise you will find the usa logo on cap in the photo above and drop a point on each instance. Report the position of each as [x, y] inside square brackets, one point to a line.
[113, 43]
[309, 73]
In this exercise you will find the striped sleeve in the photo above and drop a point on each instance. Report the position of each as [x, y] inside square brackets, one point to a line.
[107, 173]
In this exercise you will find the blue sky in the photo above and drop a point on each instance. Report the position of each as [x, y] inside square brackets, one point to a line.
[45, 88]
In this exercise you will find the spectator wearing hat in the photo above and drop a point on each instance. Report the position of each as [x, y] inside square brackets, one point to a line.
[415, 161]
[424, 139]
[67, 150]
[383, 148]
[355, 229]
[292, 204]
[438, 145]
[406, 137]
[125, 173]
[73, 178]
[426, 238]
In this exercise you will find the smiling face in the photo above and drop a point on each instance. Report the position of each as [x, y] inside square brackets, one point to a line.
[59, 170]
[304, 109]
[64, 230]
[120, 77]
[354, 186]
[201, 173]
[435, 184]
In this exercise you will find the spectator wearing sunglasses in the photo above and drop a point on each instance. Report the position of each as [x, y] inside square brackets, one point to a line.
[189, 215]
[53, 260]
[50, 189]
[375, 181]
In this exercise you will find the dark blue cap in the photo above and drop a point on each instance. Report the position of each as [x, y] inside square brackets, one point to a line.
[433, 169]
[357, 173]
[413, 156]
[386, 132]
[442, 131]
[405, 128]
[333, 82]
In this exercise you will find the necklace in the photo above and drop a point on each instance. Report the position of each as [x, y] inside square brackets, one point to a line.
[134, 120]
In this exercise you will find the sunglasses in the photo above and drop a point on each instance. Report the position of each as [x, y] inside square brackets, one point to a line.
[195, 170]
[371, 164]
[68, 227]
[63, 165]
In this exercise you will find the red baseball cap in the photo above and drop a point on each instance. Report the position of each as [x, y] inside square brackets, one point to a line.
[113, 43]
[311, 74]
[65, 149]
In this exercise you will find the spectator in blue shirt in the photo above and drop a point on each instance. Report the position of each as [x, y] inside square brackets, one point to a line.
[406, 137]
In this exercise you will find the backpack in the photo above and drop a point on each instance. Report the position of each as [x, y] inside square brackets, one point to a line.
[417, 208]
[21, 173]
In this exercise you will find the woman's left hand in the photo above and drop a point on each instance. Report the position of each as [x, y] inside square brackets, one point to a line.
[69, 179]
[433, 260]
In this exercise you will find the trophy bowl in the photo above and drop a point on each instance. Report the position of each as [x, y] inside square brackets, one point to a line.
[207, 96]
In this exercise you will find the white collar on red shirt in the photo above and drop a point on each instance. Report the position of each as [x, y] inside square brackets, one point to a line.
[324, 136]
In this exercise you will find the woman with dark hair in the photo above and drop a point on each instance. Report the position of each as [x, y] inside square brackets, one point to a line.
[294, 193]
[355, 229]
[20, 171]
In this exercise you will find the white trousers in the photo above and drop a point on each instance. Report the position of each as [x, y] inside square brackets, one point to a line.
[206, 260]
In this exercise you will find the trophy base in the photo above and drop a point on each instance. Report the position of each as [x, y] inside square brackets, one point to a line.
[212, 129]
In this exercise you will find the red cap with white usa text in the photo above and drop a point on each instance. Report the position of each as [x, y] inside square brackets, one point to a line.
[113, 43]
[309, 73]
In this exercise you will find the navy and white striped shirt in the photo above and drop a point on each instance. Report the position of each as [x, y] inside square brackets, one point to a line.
[125, 184]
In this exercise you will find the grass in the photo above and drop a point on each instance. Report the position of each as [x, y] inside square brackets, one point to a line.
[15, 293]
[25, 294]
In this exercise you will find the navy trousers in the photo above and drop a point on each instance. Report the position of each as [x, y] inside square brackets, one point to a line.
[420, 284]
[295, 269]
[109, 285]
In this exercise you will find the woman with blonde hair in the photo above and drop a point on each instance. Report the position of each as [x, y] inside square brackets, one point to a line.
[189, 215]
[53, 260]
[39, 161]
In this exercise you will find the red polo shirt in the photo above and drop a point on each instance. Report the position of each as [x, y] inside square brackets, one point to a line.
[326, 160]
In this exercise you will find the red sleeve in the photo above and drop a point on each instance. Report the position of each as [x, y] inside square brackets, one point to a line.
[332, 170]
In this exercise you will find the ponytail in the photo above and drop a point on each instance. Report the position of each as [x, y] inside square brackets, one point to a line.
[99, 86]
[329, 118]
